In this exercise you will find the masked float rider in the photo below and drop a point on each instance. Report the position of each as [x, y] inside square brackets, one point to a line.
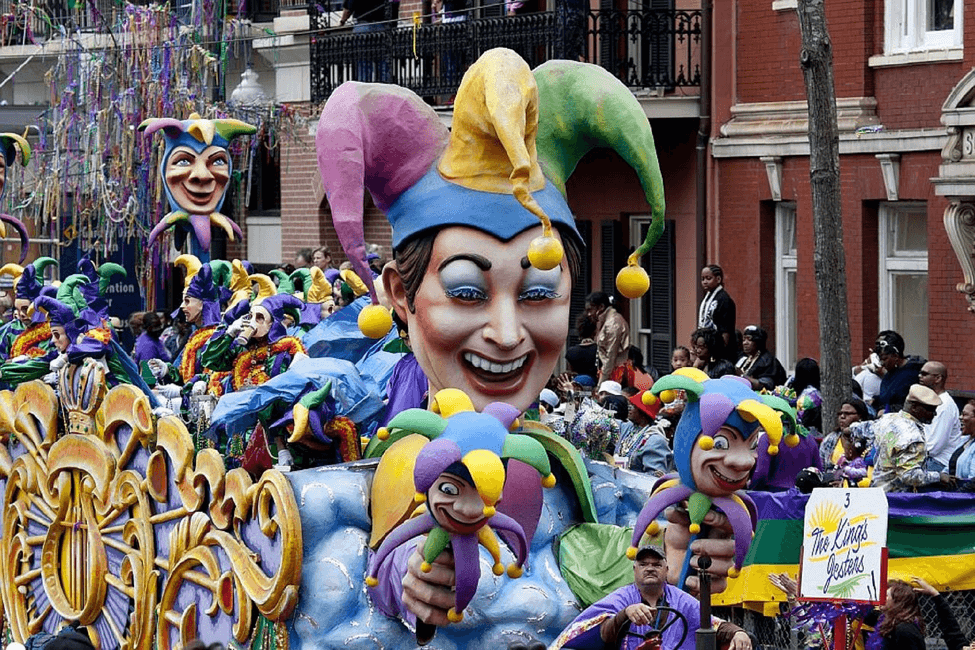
[29, 282]
[201, 311]
[254, 348]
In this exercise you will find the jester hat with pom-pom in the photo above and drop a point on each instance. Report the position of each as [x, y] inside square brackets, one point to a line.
[471, 446]
[516, 137]
[711, 405]
[29, 279]
[197, 134]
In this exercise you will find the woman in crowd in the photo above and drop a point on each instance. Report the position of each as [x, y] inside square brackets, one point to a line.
[830, 449]
[757, 364]
[707, 346]
[901, 625]
[962, 463]
[644, 448]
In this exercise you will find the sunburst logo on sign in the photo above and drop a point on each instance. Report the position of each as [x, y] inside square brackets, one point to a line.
[827, 517]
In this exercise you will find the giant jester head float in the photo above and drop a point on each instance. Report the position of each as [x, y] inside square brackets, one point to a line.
[196, 170]
[11, 144]
[459, 476]
[714, 450]
[479, 215]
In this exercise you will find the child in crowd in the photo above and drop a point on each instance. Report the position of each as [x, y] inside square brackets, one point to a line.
[680, 358]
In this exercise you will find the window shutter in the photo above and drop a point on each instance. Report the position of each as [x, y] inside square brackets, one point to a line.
[659, 263]
[611, 253]
[580, 289]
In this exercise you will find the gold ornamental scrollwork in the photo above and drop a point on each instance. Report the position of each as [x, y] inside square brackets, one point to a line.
[110, 517]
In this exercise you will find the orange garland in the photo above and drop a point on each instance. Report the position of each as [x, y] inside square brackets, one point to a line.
[250, 367]
[187, 365]
[28, 342]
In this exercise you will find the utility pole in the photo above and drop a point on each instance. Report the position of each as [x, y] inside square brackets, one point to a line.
[816, 60]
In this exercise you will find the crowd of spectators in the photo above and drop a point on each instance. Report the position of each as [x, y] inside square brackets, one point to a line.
[899, 428]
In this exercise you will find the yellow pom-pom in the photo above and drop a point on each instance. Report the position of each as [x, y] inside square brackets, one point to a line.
[372, 582]
[498, 568]
[653, 528]
[425, 567]
[545, 252]
[649, 399]
[549, 481]
[792, 440]
[706, 443]
[419, 497]
[489, 511]
[631, 553]
[515, 571]
[733, 572]
[382, 433]
[694, 528]
[375, 321]
[454, 617]
[632, 281]
[773, 450]
[864, 482]
[515, 425]
[668, 396]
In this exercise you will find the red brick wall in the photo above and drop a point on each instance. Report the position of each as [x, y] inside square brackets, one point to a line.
[306, 221]
[910, 97]
[741, 251]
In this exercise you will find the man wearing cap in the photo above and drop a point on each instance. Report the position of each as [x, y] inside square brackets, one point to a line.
[899, 444]
[645, 447]
[599, 626]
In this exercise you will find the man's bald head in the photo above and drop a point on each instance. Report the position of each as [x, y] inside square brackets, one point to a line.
[934, 375]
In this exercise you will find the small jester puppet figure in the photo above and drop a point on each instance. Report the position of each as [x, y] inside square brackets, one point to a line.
[459, 476]
[10, 144]
[29, 285]
[196, 169]
[715, 452]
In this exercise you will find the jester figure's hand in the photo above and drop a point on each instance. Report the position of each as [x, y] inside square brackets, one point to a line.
[429, 595]
[716, 540]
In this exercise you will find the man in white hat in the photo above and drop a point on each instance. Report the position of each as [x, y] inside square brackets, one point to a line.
[899, 441]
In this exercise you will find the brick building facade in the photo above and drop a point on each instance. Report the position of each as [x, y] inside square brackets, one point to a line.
[901, 267]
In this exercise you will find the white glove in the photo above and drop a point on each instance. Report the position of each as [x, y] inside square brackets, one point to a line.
[169, 391]
[162, 411]
[20, 358]
[58, 362]
[199, 387]
[50, 378]
[238, 325]
[157, 367]
[285, 459]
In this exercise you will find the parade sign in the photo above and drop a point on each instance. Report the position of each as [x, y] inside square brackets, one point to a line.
[844, 546]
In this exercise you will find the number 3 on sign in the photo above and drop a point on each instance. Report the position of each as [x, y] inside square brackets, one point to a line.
[847, 504]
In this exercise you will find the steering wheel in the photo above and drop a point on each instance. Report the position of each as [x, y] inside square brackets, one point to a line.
[651, 634]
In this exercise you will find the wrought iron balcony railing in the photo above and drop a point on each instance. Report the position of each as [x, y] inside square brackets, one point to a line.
[645, 48]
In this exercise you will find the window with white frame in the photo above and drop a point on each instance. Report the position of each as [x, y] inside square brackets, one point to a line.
[917, 25]
[786, 340]
[903, 255]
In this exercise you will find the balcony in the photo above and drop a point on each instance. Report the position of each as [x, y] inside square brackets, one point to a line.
[655, 49]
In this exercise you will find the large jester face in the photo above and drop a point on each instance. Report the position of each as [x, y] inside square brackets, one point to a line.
[196, 164]
[196, 180]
